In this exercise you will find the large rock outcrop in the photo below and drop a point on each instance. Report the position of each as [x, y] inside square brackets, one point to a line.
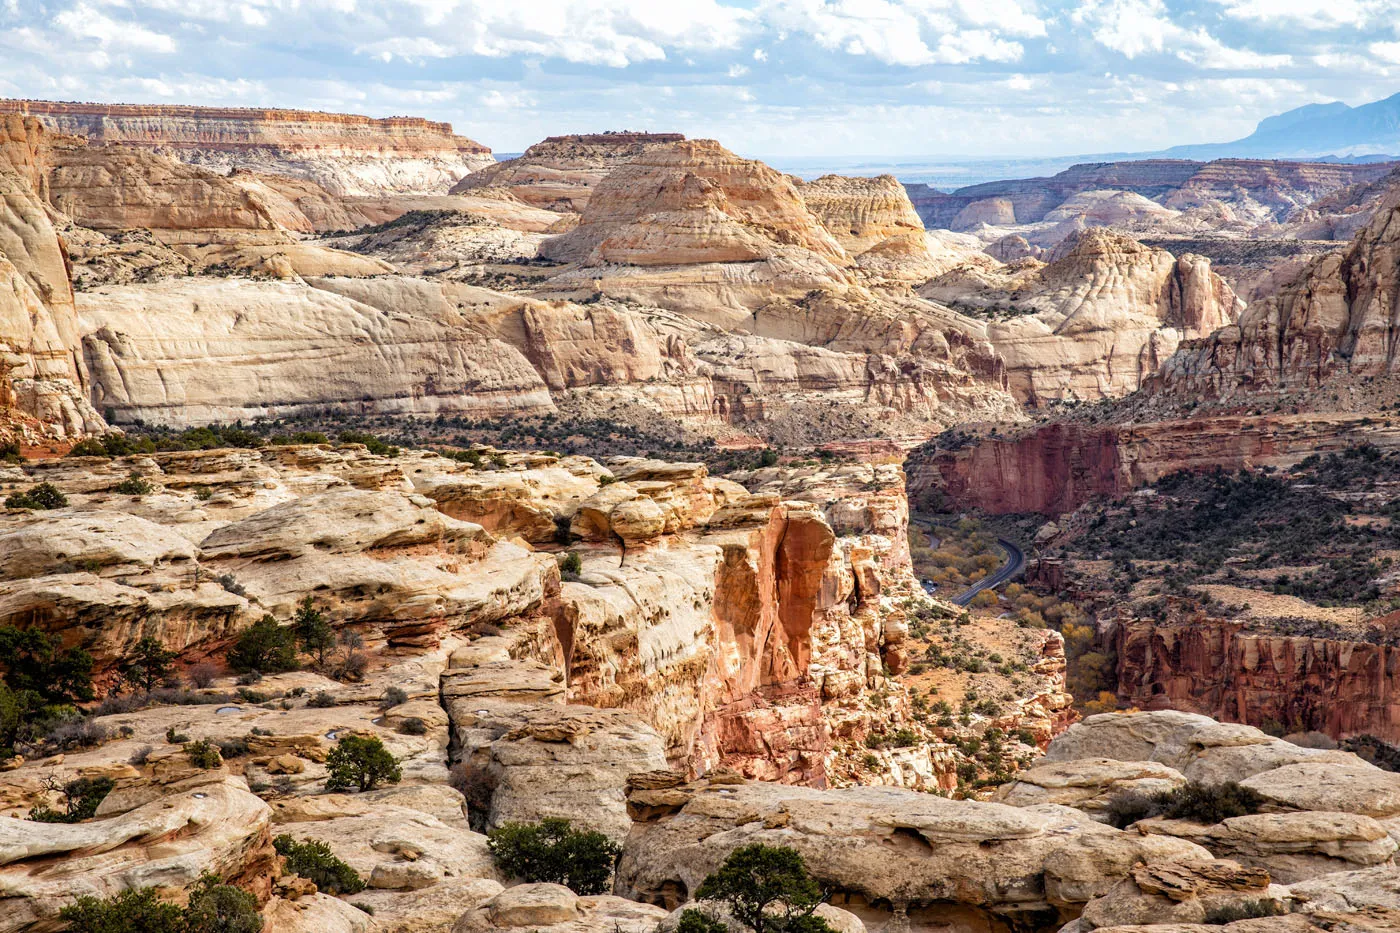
[1097, 321]
[1256, 189]
[1335, 319]
[873, 221]
[1221, 669]
[560, 172]
[388, 345]
[693, 202]
[346, 153]
[42, 376]
[1060, 465]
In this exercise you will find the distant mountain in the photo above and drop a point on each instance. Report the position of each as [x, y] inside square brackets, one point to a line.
[1314, 131]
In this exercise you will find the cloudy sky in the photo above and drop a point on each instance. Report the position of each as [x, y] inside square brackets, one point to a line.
[961, 78]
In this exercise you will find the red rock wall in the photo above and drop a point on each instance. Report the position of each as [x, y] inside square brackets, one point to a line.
[1215, 668]
[1058, 467]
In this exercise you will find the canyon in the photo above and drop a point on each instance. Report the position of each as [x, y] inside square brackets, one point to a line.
[247, 357]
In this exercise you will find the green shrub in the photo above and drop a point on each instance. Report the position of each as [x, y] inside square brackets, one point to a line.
[394, 696]
[128, 912]
[697, 921]
[1244, 910]
[83, 797]
[203, 754]
[553, 851]
[42, 497]
[314, 861]
[1211, 803]
[322, 700]
[265, 647]
[768, 889]
[571, 565]
[1200, 803]
[361, 763]
[413, 726]
[215, 907]
[133, 485]
[36, 662]
[373, 444]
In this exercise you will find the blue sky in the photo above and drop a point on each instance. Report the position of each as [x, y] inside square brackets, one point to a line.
[963, 78]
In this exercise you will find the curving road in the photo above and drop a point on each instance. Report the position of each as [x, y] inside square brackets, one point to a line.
[1015, 564]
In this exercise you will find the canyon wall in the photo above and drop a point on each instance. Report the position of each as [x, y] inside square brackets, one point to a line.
[1334, 319]
[43, 381]
[1061, 465]
[1097, 321]
[347, 153]
[1223, 670]
[1262, 189]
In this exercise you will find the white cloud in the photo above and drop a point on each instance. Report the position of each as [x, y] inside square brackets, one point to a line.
[1136, 28]
[1318, 14]
[899, 32]
[84, 22]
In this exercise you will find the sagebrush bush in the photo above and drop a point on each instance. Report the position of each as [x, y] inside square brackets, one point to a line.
[1244, 910]
[203, 754]
[553, 851]
[413, 726]
[1195, 801]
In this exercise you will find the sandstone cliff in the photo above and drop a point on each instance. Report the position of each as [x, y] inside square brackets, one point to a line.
[1222, 669]
[1094, 323]
[42, 376]
[346, 153]
[1333, 320]
[710, 627]
[560, 173]
[1059, 466]
[873, 221]
[286, 347]
[692, 202]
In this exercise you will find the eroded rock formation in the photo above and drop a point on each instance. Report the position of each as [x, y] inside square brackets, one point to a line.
[1333, 320]
[1097, 321]
[346, 153]
[1221, 669]
[42, 377]
[560, 172]
[1058, 466]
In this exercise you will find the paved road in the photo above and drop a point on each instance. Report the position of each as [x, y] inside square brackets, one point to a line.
[1015, 564]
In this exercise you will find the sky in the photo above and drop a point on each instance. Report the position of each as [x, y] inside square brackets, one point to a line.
[887, 78]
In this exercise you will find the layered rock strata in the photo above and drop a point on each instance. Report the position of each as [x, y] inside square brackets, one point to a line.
[1059, 466]
[43, 381]
[560, 172]
[1097, 321]
[1333, 320]
[346, 153]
